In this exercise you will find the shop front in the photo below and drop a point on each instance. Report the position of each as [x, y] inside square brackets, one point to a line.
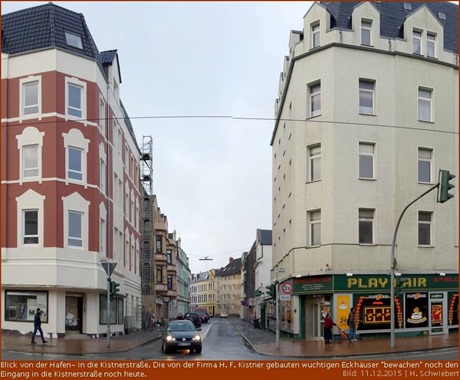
[424, 304]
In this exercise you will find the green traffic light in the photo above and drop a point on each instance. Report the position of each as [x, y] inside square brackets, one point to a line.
[445, 186]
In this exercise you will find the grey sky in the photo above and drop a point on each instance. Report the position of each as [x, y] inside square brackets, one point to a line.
[212, 176]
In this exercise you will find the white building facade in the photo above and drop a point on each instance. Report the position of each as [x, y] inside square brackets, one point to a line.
[366, 116]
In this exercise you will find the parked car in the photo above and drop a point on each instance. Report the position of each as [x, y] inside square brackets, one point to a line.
[224, 314]
[194, 317]
[203, 315]
[181, 335]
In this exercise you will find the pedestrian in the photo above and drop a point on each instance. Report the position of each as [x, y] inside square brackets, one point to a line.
[38, 326]
[328, 324]
[180, 316]
[153, 319]
[351, 326]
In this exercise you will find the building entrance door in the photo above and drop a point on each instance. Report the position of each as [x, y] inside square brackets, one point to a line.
[312, 314]
[438, 314]
[74, 314]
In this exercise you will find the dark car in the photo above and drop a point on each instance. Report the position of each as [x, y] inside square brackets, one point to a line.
[194, 317]
[203, 315]
[180, 335]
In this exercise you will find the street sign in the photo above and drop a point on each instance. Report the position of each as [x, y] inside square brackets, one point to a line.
[285, 297]
[257, 293]
[108, 267]
[286, 288]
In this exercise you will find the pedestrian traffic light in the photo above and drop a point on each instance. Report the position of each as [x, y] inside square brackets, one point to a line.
[271, 290]
[114, 288]
[444, 186]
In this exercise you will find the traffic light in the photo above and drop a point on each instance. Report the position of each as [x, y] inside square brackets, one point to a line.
[444, 186]
[114, 288]
[271, 290]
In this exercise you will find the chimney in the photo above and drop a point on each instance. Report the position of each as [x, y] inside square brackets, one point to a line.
[230, 260]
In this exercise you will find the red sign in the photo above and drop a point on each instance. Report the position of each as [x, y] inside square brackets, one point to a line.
[286, 288]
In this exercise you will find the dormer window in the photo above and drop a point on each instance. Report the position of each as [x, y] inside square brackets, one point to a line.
[73, 40]
[315, 36]
[442, 16]
[407, 7]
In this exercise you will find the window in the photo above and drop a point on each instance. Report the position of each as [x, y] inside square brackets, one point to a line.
[30, 218]
[75, 236]
[366, 226]
[424, 228]
[315, 100]
[30, 98]
[430, 45]
[159, 273]
[442, 16]
[159, 247]
[424, 165]
[407, 6]
[102, 175]
[74, 164]
[424, 104]
[74, 104]
[73, 40]
[30, 161]
[366, 97]
[20, 306]
[170, 282]
[315, 36]
[113, 310]
[102, 235]
[315, 228]
[417, 42]
[102, 116]
[366, 160]
[315, 163]
[366, 32]
[169, 256]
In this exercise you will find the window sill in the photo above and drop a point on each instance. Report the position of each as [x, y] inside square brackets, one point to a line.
[425, 183]
[367, 45]
[367, 179]
[426, 121]
[367, 244]
[313, 117]
[366, 114]
[314, 181]
[425, 246]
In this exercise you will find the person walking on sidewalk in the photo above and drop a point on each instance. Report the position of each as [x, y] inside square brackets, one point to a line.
[328, 324]
[38, 326]
[351, 326]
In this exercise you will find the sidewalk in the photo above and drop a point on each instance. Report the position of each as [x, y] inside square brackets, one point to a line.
[262, 341]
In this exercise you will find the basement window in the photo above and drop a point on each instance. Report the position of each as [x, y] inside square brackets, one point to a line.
[73, 40]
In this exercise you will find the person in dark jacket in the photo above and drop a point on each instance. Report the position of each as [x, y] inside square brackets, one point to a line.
[328, 324]
[38, 326]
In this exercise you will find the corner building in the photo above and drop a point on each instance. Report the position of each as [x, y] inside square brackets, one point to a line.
[69, 179]
[366, 115]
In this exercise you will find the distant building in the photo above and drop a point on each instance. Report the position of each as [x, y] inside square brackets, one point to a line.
[228, 282]
[70, 178]
[203, 291]
[366, 115]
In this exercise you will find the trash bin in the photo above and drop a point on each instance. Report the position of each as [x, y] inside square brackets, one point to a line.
[256, 324]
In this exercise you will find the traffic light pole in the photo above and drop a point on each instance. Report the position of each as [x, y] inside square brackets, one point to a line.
[277, 306]
[109, 281]
[393, 267]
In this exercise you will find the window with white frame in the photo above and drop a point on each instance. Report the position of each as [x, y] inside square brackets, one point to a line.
[102, 174]
[366, 160]
[75, 98]
[424, 165]
[366, 226]
[424, 104]
[30, 143]
[424, 227]
[30, 165]
[74, 105]
[366, 32]
[315, 40]
[76, 155]
[416, 42]
[30, 103]
[366, 96]
[75, 231]
[314, 165]
[102, 116]
[431, 45]
[30, 228]
[74, 168]
[102, 236]
[315, 99]
[314, 219]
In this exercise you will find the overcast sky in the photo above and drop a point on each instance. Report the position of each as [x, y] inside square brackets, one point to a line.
[212, 176]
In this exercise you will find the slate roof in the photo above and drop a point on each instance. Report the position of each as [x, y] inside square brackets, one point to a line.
[231, 268]
[393, 15]
[43, 27]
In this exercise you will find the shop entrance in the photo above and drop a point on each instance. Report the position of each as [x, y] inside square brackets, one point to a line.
[74, 313]
[313, 320]
[437, 314]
